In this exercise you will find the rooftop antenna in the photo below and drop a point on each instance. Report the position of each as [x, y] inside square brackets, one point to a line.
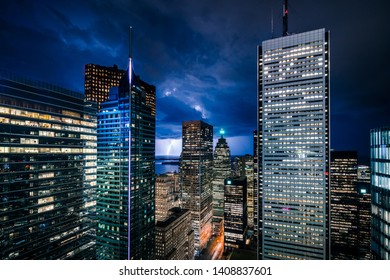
[130, 43]
[285, 18]
[272, 22]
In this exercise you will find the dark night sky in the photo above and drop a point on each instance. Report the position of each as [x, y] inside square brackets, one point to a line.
[201, 55]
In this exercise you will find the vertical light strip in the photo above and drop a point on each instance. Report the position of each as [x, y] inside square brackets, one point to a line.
[130, 69]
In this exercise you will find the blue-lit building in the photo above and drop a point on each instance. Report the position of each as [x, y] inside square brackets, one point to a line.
[380, 192]
[126, 171]
[47, 171]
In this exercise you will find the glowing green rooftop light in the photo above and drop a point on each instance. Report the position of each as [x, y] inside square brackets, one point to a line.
[222, 132]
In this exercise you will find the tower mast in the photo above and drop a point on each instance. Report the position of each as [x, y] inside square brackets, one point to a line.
[285, 18]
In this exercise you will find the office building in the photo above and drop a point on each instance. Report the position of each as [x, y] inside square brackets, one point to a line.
[380, 193]
[235, 224]
[98, 80]
[167, 194]
[126, 171]
[221, 170]
[47, 171]
[293, 146]
[364, 217]
[257, 193]
[344, 205]
[196, 178]
[175, 237]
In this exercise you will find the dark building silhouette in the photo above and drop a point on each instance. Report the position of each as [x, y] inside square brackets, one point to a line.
[235, 221]
[344, 205]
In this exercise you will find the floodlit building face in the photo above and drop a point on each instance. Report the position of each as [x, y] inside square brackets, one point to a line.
[167, 194]
[126, 171]
[98, 80]
[221, 170]
[344, 206]
[47, 171]
[293, 139]
[196, 178]
[175, 237]
[380, 191]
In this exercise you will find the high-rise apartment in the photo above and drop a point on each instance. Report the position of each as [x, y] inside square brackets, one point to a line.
[293, 145]
[221, 170]
[380, 192]
[47, 171]
[344, 201]
[196, 178]
[174, 236]
[98, 80]
[235, 225]
[126, 171]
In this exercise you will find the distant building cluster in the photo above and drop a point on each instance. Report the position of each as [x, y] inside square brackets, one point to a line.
[78, 180]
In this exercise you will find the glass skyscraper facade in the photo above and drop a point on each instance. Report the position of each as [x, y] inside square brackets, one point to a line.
[344, 206]
[221, 170]
[196, 179]
[47, 171]
[126, 171]
[293, 145]
[380, 192]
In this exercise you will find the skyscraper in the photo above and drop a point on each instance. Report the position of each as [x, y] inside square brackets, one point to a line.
[344, 201]
[235, 225]
[364, 215]
[257, 193]
[380, 192]
[293, 145]
[98, 80]
[47, 171]
[126, 171]
[196, 178]
[221, 170]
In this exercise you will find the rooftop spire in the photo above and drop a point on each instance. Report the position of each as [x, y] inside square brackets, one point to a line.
[130, 42]
[285, 18]
[222, 132]
[130, 56]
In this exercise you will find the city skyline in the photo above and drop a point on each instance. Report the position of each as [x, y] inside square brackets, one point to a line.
[201, 58]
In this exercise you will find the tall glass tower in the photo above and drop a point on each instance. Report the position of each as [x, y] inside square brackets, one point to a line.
[380, 193]
[221, 170]
[47, 171]
[293, 139]
[126, 171]
[196, 178]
